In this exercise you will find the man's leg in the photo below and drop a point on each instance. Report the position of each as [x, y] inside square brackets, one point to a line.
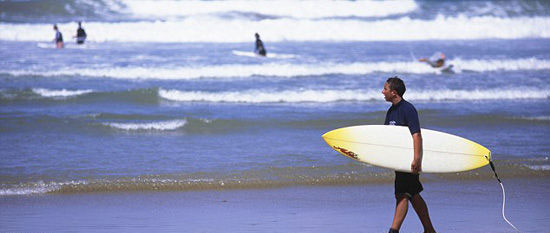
[421, 209]
[401, 207]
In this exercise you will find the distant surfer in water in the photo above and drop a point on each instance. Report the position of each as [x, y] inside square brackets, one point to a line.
[437, 60]
[260, 49]
[407, 184]
[80, 34]
[58, 37]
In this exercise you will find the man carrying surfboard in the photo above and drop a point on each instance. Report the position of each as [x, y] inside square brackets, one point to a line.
[407, 185]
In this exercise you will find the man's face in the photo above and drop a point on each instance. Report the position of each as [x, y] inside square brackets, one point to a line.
[388, 93]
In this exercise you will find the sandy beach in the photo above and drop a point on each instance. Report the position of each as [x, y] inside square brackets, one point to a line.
[459, 206]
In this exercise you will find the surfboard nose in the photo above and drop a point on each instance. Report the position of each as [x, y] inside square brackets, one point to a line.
[327, 137]
[332, 135]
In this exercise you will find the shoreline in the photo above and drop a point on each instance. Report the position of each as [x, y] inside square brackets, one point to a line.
[317, 176]
[455, 206]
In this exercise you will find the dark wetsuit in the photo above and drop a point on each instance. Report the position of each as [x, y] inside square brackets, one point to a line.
[438, 63]
[80, 35]
[404, 114]
[260, 49]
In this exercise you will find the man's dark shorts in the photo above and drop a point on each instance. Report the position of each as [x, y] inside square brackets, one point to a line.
[407, 184]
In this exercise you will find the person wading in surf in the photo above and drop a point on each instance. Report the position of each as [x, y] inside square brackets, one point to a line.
[58, 37]
[80, 34]
[260, 49]
[407, 185]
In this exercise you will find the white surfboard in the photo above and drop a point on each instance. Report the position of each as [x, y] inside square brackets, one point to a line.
[269, 55]
[52, 45]
[245, 53]
[392, 147]
[447, 69]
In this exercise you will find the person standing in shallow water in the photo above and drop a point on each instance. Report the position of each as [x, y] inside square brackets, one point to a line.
[407, 184]
[58, 38]
[80, 34]
[260, 49]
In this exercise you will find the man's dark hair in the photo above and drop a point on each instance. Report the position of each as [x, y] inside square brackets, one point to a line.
[397, 85]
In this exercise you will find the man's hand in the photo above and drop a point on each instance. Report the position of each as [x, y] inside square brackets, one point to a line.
[416, 166]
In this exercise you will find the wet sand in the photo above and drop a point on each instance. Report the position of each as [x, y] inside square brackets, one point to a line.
[455, 206]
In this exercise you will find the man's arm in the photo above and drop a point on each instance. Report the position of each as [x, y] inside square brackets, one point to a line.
[416, 165]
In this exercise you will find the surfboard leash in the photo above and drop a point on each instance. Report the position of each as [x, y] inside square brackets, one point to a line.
[503, 193]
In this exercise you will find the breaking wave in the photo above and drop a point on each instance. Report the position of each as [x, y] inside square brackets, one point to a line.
[274, 96]
[270, 9]
[286, 69]
[213, 29]
[159, 125]
[293, 96]
[59, 93]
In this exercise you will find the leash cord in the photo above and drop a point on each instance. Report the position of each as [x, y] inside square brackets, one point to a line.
[503, 194]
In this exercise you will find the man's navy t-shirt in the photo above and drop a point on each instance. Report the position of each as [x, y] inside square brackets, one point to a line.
[403, 114]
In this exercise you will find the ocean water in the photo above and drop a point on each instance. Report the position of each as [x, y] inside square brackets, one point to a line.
[166, 95]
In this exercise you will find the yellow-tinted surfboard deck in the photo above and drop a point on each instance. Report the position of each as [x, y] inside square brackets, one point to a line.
[392, 147]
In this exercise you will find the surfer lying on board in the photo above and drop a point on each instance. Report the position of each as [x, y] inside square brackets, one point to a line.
[437, 60]
[260, 49]
[407, 185]
[58, 37]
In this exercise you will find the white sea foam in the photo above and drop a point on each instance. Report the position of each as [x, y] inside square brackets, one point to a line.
[233, 70]
[25, 191]
[539, 167]
[215, 29]
[485, 94]
[265, 96]
[285, 69]
[160, 125]
[286, 8]
[207, 121]
[39, 187]
[537, 118]
[67, 45]
[290, 96]
[59, 93]
[500, 64]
